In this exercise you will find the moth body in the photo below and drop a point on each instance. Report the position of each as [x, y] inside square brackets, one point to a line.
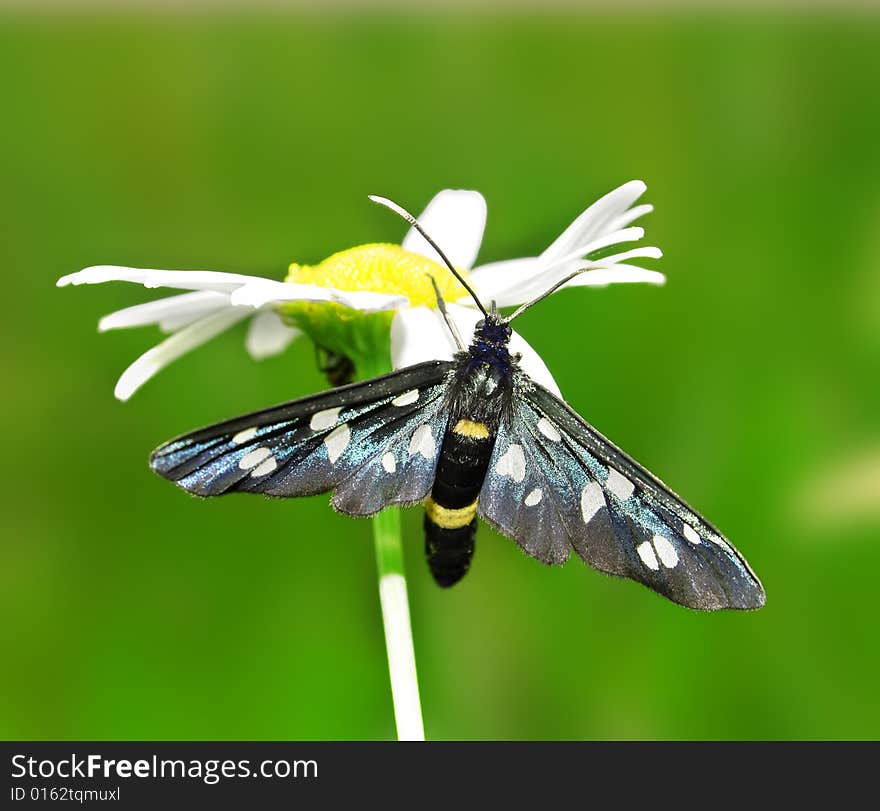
[479, 395]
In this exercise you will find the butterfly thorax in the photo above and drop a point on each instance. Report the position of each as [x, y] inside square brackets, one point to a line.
[484, 373]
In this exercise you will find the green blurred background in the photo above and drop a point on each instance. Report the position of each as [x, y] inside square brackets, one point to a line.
[243, 142]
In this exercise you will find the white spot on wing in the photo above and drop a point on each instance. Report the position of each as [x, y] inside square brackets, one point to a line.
[422, 442]
[244, 436]
[512, 463]
[548, 429]
[337, 441]
[324, 419]
[265, 468]
[389, 462]
[534, 497]
[646, 553]
[619, 485]
[592, 500]
[254, 458]
[691, 534]
[407, 398]
[666, 551]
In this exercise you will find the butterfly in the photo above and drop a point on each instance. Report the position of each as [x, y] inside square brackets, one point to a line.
[472, 438]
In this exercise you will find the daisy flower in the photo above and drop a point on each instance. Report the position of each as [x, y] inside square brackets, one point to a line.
[378, 300]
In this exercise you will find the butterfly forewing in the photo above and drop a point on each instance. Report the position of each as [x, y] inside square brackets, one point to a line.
[554, 483]
[375, 443]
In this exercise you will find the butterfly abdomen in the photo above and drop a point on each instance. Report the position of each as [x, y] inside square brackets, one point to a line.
[451, 509]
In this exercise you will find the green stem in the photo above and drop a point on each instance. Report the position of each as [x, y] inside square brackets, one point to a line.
[398, 631]
[395, 616]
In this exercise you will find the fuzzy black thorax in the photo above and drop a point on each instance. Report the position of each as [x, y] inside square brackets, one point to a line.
[484, 374]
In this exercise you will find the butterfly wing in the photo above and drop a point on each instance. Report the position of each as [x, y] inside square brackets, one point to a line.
[374, 443]
[555, 483]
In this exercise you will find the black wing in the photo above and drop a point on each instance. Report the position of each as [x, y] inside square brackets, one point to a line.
[554, 483]
[374, 443]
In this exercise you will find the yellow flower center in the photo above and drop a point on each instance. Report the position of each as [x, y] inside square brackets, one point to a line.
[382, 268]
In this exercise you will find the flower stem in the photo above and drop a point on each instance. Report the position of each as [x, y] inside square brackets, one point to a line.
[398, 632]
[395, 607]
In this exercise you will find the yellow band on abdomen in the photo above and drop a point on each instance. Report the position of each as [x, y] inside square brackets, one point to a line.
[474, 430]
[447, 518]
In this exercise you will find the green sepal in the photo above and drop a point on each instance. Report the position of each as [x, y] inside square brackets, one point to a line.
[365, 338]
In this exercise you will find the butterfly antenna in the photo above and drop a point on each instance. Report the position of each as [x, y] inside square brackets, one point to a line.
[441, 305]
[402, 212]
[565, 280]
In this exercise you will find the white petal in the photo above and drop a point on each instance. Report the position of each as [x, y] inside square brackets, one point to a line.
[266, 291]
[533, 364]
[617, 274]
[268, 335]
[599, 274]
[181, 279]
[176, 345]
[419, 334]
[169, 313]
[517, 281]
[575, 258]
[632, 234]
[629, 216]
[368, 301]
[175, 323]
[455, 220]
[501, 281]
[596, 219]
[260, 292]
[646, 252]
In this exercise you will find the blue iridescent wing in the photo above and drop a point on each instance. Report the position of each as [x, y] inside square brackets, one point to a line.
[374, 443]
[554, 483]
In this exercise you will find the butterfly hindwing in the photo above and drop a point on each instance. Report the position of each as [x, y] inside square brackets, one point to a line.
[527, 496]
[554, 483]
[374, 443]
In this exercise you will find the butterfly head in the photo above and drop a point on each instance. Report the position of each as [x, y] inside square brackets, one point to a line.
[488, 355]
[492, 331]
